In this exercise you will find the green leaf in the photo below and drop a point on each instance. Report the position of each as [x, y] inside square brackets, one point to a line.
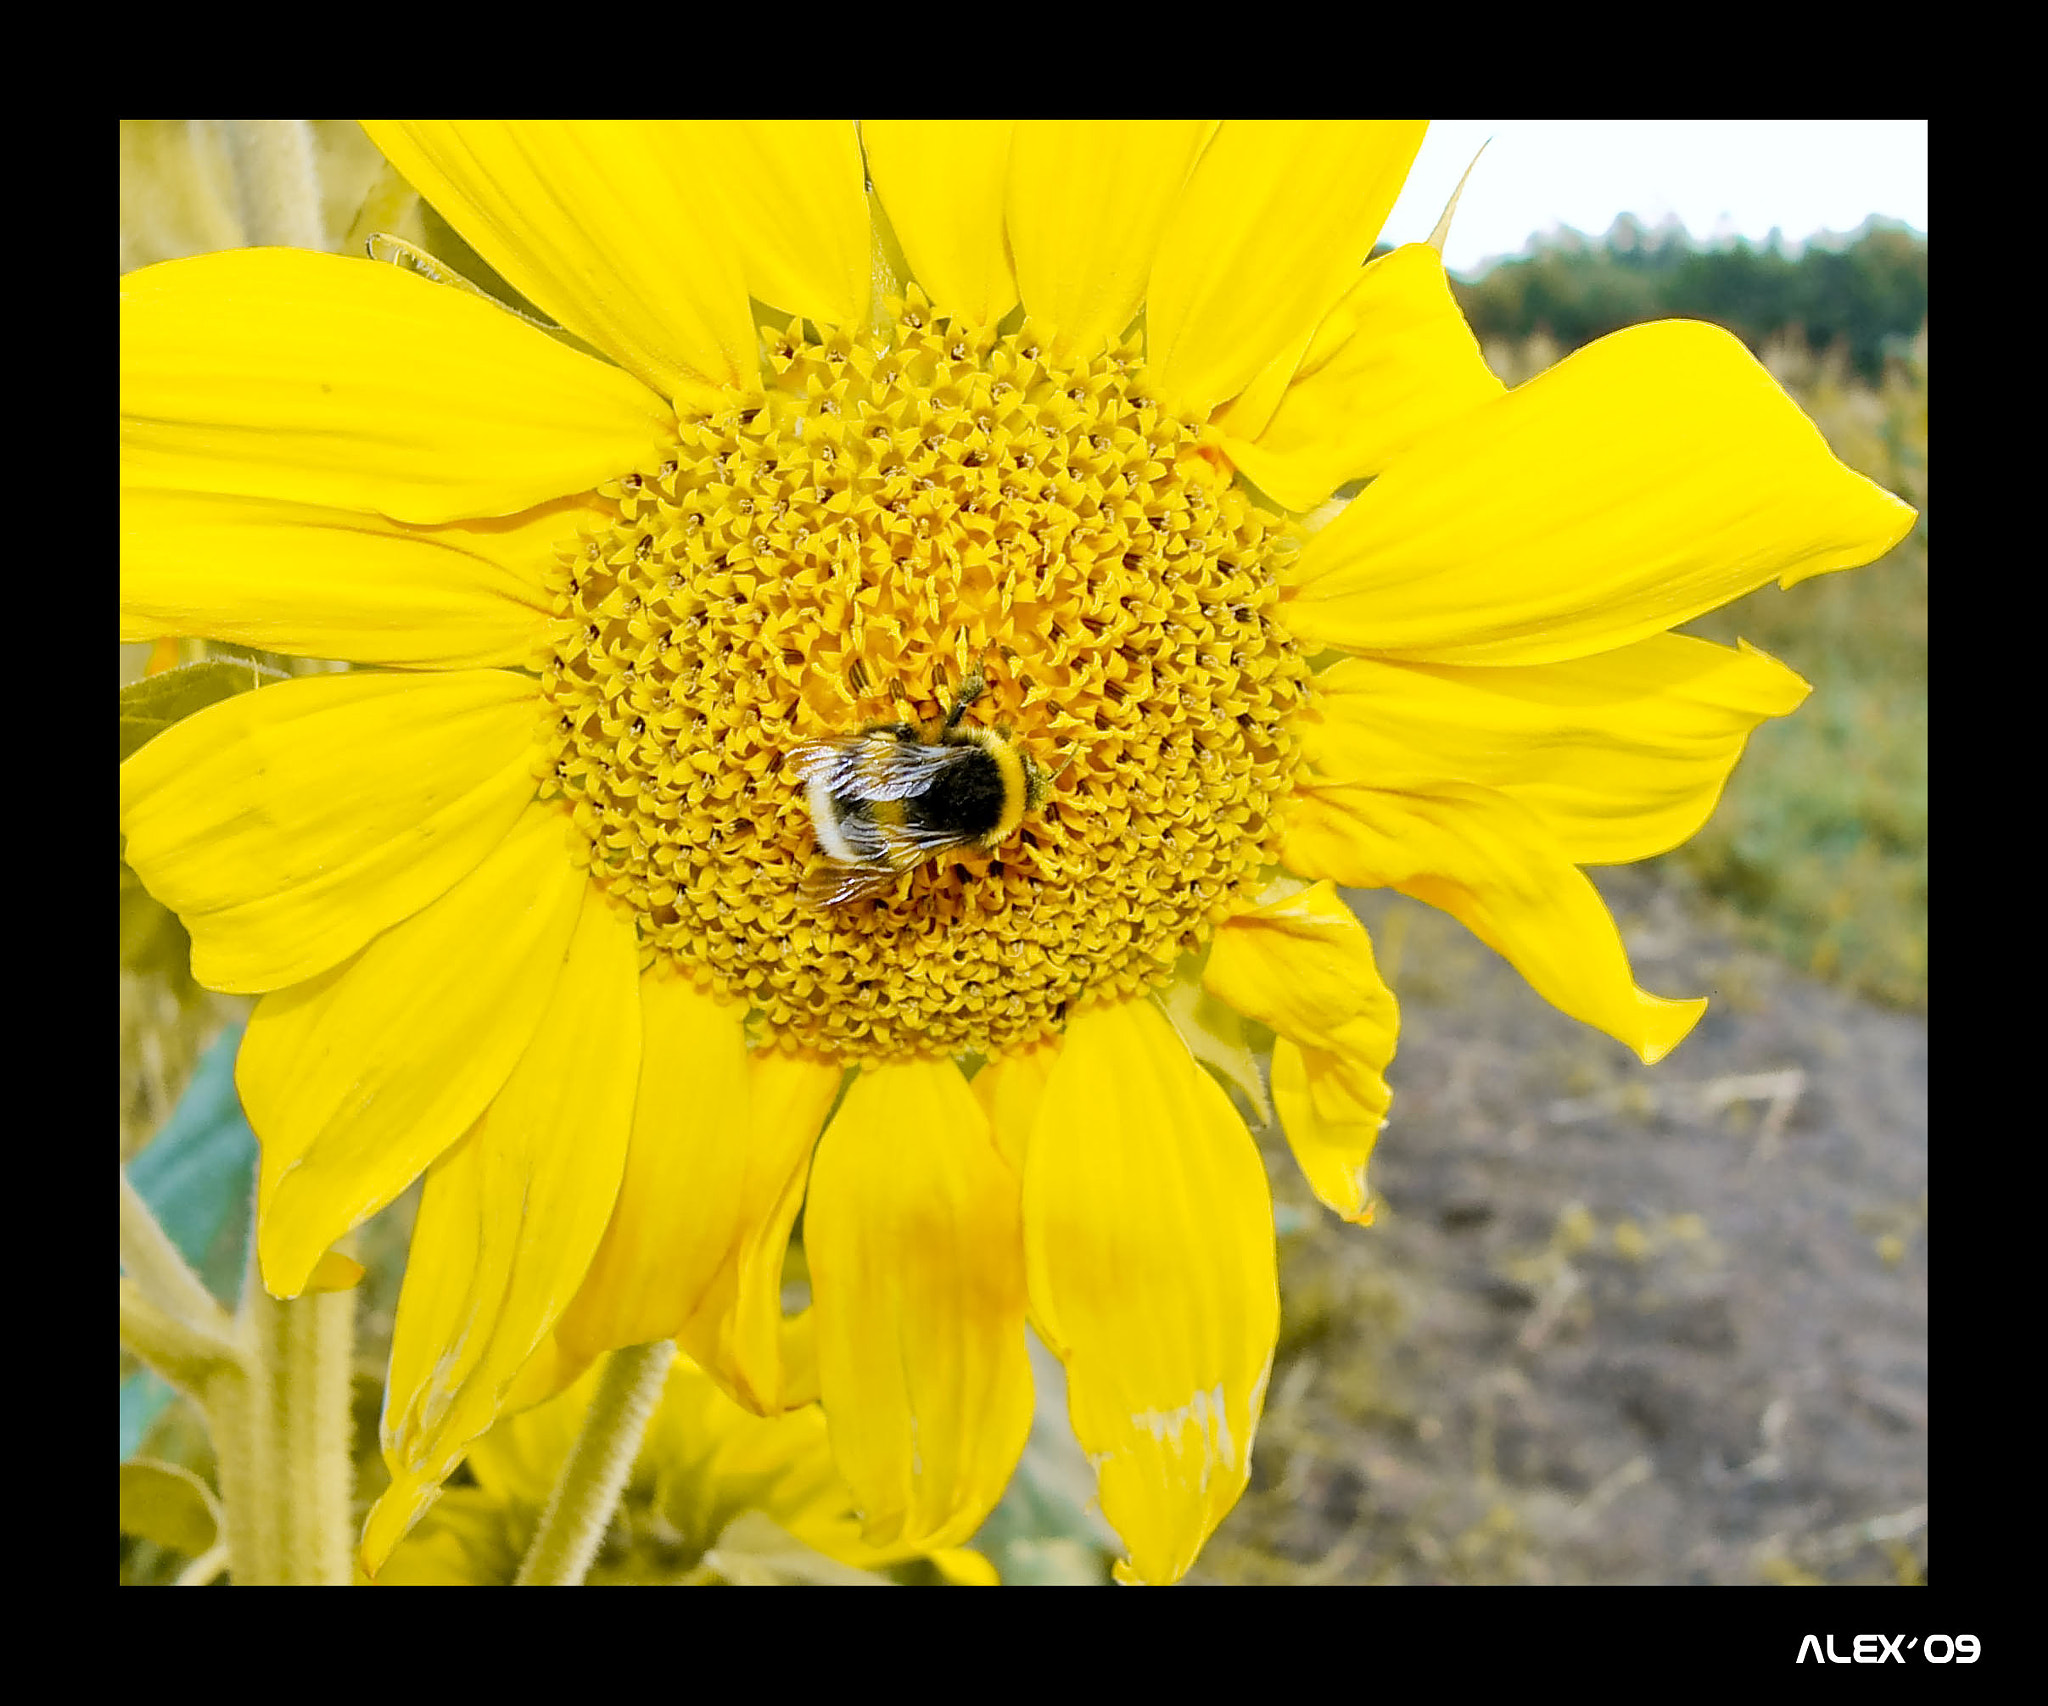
[168, 1506]
[198, 1177]
[198, 1174]
[153, 704]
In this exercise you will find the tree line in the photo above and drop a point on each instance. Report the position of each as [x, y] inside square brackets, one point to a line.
[1867, 291]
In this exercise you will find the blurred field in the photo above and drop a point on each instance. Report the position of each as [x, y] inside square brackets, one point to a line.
[1613, 1323]
[1821, 841]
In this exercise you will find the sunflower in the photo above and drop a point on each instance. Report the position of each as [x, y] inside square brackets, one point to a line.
[829, 421]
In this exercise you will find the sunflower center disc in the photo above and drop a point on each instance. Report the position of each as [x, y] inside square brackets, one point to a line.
[846, 555]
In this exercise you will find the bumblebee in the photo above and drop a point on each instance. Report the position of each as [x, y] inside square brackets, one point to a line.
[886, 800]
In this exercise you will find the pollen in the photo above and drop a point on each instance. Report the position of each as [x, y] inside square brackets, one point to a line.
[891, 520]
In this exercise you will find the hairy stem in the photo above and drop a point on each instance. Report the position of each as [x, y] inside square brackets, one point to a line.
[587, 1492]
[298, 1431]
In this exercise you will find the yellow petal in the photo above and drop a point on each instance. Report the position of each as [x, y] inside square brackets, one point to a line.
[465, 1543]
[1148, 1236]
[1646, 478]
[1008, 1089]
[288, 826]
[355, 1080]
[1621, 755]
[791, 190]
[276, 373]
[477, 1534]
[942, 183]
[1088, 201]
[548, 1373]
[797, 1336]
[738, 1332]
[963, 1567]
[519, 1459]
[337, 583]
[1304, 966]
[1488, 861]
[1389, 364]
[604, 224]
[679, 1207]
[509, 1221]
[335, 1272]
[1269, 232]
[917, 1280]
[1332, 1107]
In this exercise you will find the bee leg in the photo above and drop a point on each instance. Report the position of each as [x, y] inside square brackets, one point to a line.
[971, 689]
[1037, 782]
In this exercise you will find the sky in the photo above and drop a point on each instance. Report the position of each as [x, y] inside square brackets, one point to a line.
[1728, 177]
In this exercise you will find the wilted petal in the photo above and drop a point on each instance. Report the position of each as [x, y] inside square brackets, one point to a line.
[355, 1080]
[509, 1221]
[1304, 966]
[1148, 1235]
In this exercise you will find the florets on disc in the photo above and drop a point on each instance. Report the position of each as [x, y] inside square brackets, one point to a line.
[886, 524]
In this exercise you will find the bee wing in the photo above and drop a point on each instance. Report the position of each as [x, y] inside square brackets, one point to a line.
[817, 759]
[913, 843]
[873, 768]
[829, 883]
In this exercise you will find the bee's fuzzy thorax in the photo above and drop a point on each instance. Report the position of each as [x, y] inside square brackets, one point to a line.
[1012, 779]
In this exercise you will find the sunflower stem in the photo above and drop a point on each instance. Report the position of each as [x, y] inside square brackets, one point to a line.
[278, 169]
[580, 1508]
[280, 1428]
